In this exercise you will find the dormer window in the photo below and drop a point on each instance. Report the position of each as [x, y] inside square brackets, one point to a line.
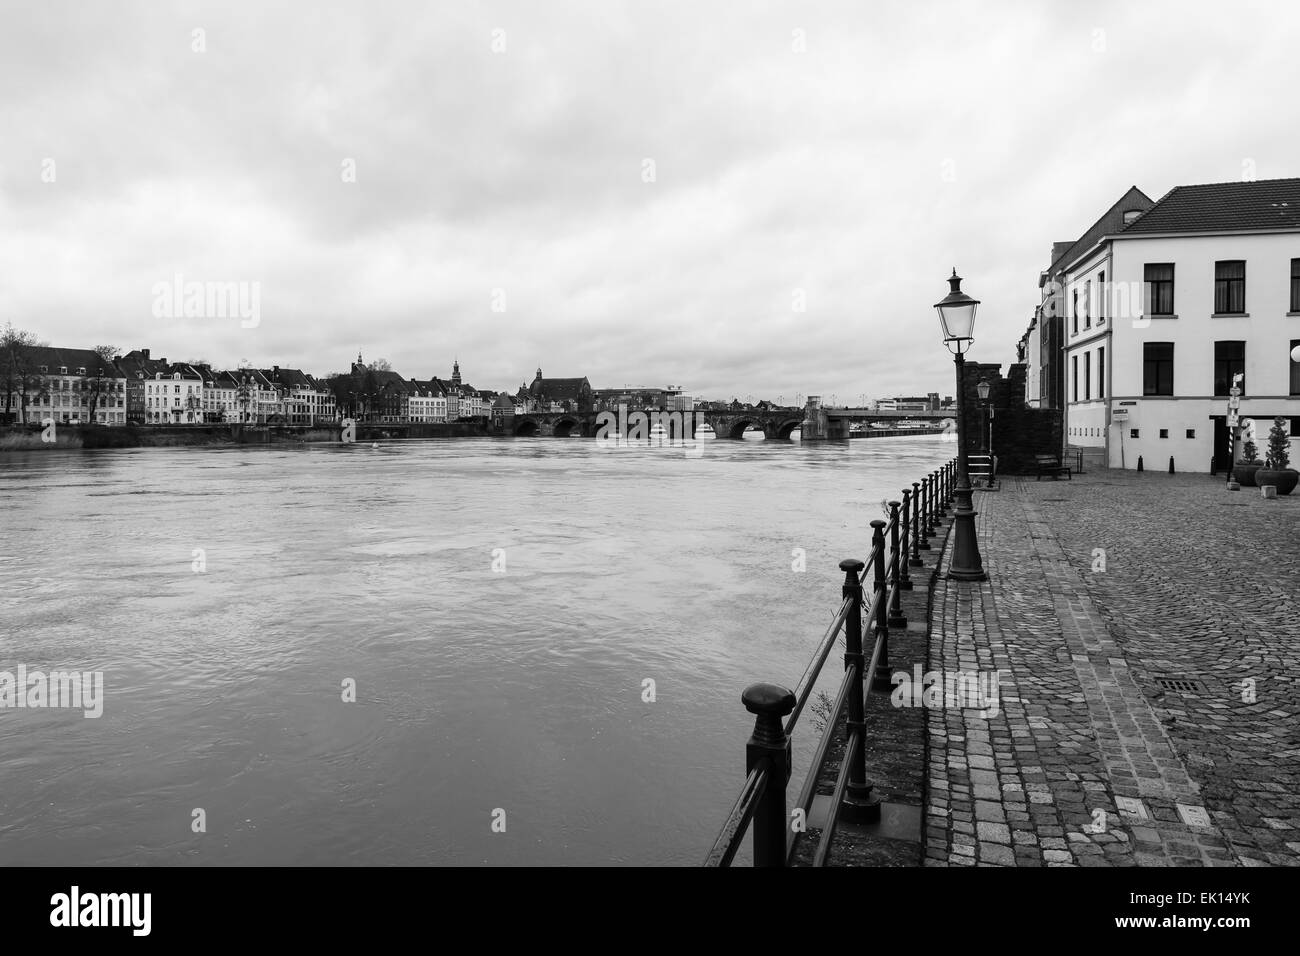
[81, 371]
[63, 370]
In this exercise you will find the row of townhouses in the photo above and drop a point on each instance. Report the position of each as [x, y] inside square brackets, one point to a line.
[1146, 321]
[79, 386]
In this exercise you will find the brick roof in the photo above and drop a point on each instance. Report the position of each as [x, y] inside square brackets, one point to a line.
[1224, 207]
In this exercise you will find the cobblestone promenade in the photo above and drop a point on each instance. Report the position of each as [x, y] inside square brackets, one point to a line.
[1100, 589]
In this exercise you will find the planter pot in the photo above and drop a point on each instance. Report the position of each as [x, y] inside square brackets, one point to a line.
[1284, 479]
[1245, 472]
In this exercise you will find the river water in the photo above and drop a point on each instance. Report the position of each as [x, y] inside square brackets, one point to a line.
[499, 606]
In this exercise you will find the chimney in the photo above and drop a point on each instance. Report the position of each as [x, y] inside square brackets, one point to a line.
[276, 370]
[145, 353]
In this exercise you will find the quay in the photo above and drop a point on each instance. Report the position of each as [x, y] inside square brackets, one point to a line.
[1138, 633]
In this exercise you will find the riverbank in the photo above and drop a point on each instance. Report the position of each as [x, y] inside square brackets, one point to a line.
[36, 438]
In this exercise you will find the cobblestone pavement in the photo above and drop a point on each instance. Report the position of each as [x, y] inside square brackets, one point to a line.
[1099, 588]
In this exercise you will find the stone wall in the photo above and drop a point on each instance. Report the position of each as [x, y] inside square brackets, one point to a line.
[1019, 431]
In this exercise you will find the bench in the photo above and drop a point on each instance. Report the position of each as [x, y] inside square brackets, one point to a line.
[982, 468]
[1050, 465]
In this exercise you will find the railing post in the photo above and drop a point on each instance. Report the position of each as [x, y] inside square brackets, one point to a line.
[926, 517]
[935, 517]
[769, 704]
[905, 574]
[918, 524]
[941, 485]
[859, 805]
[896, 568]
[881, 679]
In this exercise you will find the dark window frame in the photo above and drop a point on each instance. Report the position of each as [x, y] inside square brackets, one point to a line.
[1226, 365]
[1159, 288]
[1074, 376]
[1295, 285]
[1158, 369]
[1101, 371]
[1229, 288]
[1295, 369]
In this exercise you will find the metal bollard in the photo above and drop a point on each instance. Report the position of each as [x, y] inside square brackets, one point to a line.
[910, 558]
[918, 525]
[859, 805]
[880, 680]
[923, 528]
[769, 704]
[897, 566]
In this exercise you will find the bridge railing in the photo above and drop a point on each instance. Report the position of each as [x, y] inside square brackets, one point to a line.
[761, 803]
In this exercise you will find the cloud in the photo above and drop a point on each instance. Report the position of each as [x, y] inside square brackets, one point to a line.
[851, 175]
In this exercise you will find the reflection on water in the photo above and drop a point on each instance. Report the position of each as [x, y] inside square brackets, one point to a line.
[519, 688]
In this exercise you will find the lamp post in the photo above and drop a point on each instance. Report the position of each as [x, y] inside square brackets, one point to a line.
[957, 317]
[982, 389]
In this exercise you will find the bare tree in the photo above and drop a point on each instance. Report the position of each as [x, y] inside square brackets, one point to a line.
[102, 379]
[18, 373]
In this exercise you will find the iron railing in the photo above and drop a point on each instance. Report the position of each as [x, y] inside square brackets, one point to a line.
[769, 764]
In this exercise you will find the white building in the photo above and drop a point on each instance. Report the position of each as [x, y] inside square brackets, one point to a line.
[174, 396]
[427, 402]
[71, 386]
[1164, 312]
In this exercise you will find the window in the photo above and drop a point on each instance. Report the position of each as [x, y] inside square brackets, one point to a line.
[1229, 361]
[1087, 305]
[1191, 433]
[1158, 368]
[1074, 375]
[1295, 286]
[1159, 278]
[1101, 372]
[1295, 370]
[1230, 287]
[1132, 433]
[1087, 376]
[1164, 433]
[1101, 301]
[1076, 312]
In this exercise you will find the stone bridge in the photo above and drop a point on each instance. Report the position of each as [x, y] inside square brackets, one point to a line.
[774, 423]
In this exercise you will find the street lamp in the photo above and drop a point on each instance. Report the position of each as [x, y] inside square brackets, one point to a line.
[982, 389]
[957, 317]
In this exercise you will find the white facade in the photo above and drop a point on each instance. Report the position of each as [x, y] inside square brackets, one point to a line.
[1144, 384]
[173, 397]
[425, 407]
[67, 396]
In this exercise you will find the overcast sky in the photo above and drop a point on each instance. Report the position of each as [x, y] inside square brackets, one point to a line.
[849, 153]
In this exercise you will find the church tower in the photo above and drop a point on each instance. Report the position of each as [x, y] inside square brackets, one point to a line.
[455, 373]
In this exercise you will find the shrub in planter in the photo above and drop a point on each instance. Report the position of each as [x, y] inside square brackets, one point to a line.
[1276, 470]
[1250, 463]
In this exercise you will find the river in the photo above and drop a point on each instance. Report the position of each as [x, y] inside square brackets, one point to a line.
[499, 606]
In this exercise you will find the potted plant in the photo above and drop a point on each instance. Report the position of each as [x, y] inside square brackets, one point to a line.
[1250, 463]
[1277, 471]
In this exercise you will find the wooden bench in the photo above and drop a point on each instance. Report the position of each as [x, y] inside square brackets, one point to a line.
[1050, 465]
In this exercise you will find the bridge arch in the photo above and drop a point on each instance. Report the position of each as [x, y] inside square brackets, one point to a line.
[784, 429]
[526, 429]
[741, 425]
[565, 426]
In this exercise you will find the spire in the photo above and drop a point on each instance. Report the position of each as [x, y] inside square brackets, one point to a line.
[455, 371]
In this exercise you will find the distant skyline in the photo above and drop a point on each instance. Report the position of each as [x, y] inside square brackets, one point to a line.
[743, 199]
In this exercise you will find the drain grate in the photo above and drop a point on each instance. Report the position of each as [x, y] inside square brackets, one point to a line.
[1181, 685]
